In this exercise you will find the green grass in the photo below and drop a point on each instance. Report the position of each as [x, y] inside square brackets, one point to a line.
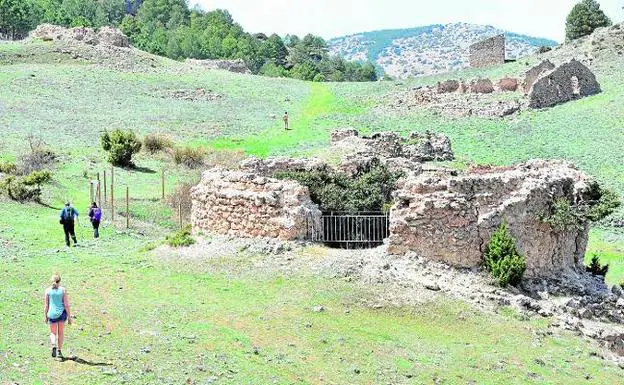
[202, 325]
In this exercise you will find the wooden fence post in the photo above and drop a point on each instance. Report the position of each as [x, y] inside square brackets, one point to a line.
[105, 196]
[162, 183]
[99, 191]
[127, 207]
[91, 194]
[180, 210]
[112, 194]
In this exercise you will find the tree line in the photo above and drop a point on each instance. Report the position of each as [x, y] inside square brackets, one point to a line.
[170, 28]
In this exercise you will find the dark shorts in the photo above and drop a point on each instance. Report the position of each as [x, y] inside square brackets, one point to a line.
[62, 318]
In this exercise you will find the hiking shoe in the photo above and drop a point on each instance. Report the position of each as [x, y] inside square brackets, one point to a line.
[54, 352]
[59, 354]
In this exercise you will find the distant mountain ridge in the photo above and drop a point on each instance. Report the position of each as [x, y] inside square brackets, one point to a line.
[429, 49]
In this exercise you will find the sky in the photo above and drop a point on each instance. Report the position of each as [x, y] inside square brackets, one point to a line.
[333, 18]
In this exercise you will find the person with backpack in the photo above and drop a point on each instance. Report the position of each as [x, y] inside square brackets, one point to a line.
[56, 312]
[68, 215]
[95, 214]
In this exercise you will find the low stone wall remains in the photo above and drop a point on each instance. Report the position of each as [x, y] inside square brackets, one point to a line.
[450, 218]
[246, 205]
[569, 81]
[236, 65]
[104, 36]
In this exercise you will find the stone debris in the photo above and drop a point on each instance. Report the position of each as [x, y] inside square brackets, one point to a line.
[236, 65]
[569, 81]
[104, 36]
[244, 204]
[450, 218]
[481, 86]
[198, 94]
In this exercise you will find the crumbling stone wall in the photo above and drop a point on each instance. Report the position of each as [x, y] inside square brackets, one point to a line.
[481, 86]
[534, 73]
[104, 36]
[566, 82]
[487, 53]
[246, 205]
[236, 65]
[450, 218]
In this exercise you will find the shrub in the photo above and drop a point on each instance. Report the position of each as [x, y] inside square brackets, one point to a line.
[544, 49]
[332, 191]
[8, 168]
[180, 198]
[27, 188]
[596, 268]
[121, 146]
[154, 143]
[181, 238]
[501, 258]
[603, 202]
[584, 18]
[189, 156]
[565, 216]
[37, 158]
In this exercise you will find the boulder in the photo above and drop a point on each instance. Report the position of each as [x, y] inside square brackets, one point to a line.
[481, 86]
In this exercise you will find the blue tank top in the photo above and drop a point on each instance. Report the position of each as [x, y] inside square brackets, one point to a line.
[55, 302]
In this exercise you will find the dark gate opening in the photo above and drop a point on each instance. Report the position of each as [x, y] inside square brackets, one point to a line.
[359, 230]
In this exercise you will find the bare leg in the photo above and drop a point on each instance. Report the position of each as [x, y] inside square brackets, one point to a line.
[53, 330]
[61, 330]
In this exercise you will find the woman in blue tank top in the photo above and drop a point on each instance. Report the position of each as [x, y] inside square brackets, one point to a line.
[56, 313]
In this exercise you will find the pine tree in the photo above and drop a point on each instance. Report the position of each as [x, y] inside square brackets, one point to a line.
[501, 258]
[584, 18]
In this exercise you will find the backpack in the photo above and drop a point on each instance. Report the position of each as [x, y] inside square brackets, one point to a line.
[97, 214]
[68, 214]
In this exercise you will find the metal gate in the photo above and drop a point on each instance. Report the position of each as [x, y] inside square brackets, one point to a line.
[350, 230]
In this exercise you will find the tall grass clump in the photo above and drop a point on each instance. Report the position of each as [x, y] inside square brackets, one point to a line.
[154, 143]
[191, 157]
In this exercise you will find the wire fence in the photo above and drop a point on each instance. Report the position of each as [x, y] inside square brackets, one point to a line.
[133, 206]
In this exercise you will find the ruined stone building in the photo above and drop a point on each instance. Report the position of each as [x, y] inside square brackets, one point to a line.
[487, 53]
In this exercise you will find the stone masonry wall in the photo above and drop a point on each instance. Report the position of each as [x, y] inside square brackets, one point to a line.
[245, 205]
[488, 52]
[450, 218]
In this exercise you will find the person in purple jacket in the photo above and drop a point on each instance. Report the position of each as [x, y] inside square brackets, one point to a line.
[95, 215]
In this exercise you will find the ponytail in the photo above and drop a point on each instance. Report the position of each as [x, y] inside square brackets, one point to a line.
[55, 280]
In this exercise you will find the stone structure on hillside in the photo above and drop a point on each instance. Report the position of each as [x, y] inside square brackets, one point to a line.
[450, 218]
[104, 36]
[236, 65]
[569, 81]
[487, 53]
[534, 73]
[247, 205]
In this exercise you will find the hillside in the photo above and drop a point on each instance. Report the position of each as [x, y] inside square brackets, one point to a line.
[232, 312]
[427, 50]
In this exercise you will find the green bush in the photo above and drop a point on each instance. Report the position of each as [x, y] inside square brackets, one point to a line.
[121, 146]
[501, 258]
[333, 191]
[8, 168]
[603, 202]
[181, 238]
[565, 216]
[584, 18]
[596, 268]
[189, 156]
[154, 143]
[27, 188]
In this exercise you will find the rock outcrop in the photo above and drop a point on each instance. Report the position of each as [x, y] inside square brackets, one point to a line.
[269, 166]
[562, 84]
[237, 65]
[534, 73]
[105, 36]
[450, 218]
[246, 205]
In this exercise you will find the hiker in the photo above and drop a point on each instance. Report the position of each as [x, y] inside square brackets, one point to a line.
[56, 313]
[68, 215]
[285, 118]
[95, 215]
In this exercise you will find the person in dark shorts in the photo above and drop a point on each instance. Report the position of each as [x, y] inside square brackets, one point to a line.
[95, 215]
[68, 216]
[56, 312]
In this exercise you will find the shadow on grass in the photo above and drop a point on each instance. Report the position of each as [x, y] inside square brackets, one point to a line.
[82, 361]
[145, 170]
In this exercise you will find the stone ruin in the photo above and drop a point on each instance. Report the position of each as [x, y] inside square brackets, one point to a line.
[106, 36]
[561, 84]
[531, 76]
[243, 204]
[450, 218]
[236, 65]
[439, 214]
[487, 53]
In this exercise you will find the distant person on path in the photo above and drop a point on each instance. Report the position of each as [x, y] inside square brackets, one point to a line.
[95, 215]
[285, 118]
[68, 215]
[56, 313]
